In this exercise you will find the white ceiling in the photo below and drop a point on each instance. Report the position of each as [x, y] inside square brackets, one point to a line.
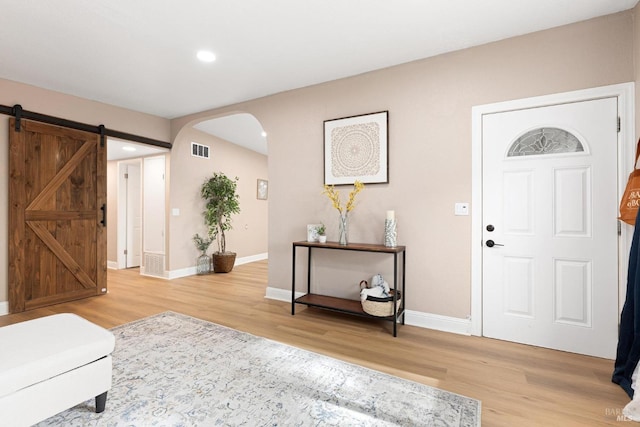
[118, 149]
[241, 129]
[141, 54]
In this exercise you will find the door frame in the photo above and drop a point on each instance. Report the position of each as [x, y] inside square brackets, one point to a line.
[626, 154]
[123, 200]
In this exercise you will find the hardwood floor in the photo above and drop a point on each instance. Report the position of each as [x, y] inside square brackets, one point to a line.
[518, 385]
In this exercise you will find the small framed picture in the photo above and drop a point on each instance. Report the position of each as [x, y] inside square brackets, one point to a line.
[312, 232]
[262, 189]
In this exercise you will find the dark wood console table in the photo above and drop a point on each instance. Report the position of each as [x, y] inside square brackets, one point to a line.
[349, 306]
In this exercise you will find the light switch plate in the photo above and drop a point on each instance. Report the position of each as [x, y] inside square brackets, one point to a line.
[462, 209]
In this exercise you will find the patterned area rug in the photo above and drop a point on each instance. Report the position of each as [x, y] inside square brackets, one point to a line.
[175, 370]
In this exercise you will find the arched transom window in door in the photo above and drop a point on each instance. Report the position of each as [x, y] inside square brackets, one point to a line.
[545, 140]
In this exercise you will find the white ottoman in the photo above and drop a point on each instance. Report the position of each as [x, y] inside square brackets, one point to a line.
[51, 364]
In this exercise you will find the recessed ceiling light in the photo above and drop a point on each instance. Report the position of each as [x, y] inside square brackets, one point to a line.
[206, 56]
[128, 148]
[264, 134]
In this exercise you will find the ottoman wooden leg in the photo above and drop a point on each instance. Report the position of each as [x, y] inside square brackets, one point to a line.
[101, 402]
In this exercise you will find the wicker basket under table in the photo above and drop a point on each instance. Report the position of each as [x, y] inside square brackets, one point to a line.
[381, 307]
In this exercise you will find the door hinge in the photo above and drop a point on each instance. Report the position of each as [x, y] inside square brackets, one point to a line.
[126, 176]
[125, 252]
[619, 124]
[619, 228]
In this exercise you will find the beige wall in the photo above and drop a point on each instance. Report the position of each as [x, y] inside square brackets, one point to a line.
[249, 234]
[429, 103]
[68, 107]
[112, 212]
[430, 164]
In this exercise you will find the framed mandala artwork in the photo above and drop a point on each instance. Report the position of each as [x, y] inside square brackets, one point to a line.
[357, 149]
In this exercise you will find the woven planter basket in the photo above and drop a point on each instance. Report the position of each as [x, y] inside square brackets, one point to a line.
[381, 307]
[223, 263]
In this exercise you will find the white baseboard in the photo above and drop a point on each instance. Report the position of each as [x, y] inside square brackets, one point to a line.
[4, 308]
[112, 265]
[280, 294]
[251, 258]
[190, 271]
[164, 275]
[183, 272]
[438, 322]
[413, 318]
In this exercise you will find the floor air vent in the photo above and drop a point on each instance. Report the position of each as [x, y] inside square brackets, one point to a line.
[154, 265]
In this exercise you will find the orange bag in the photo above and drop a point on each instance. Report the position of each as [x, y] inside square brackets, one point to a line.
[631, 198]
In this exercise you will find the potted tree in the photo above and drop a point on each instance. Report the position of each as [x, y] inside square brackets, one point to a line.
[219, 193]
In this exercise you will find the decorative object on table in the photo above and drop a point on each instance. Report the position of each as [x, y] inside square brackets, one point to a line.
[262, 190]
[219, 193]
[390, 231]
[322, 237]
[343, 229]
[378, 288]
[179, 381]
[334, 196]
[203, 263]
[312, 232]
[356, 149]
[377, 297]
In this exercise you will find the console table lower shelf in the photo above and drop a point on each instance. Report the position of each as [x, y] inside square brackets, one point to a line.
[342, 305]
[348, 306]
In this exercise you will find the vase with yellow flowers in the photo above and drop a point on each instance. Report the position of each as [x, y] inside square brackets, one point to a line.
[334, 196]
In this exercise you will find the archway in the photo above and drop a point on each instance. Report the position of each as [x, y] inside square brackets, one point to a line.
[236, 145]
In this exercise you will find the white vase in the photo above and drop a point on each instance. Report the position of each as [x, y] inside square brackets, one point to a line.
[390, 233]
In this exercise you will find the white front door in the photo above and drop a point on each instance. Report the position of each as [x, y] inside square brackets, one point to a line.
[549, 218]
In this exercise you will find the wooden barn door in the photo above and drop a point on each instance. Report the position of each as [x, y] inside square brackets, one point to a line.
[57, 215]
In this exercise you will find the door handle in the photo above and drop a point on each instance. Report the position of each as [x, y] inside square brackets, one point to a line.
[103, 208]
[491, 243]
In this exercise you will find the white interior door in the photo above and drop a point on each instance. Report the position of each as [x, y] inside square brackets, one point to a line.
[154, 205]
[134, 216]
[550, 208]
